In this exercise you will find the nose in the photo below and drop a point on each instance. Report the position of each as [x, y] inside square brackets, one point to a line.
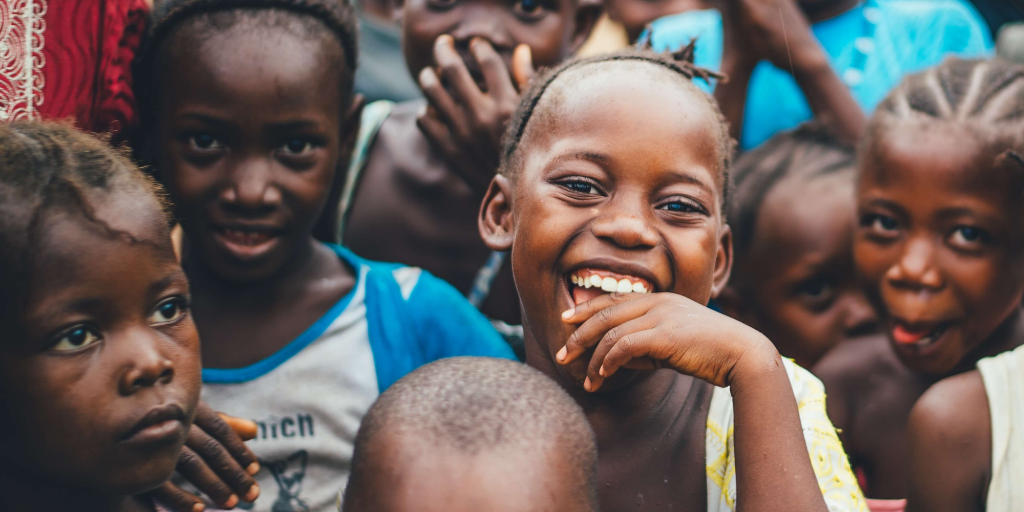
[916, 268]
[250, 186]
[860, 317]
[626, 231]
[145, 365]
[485, 23]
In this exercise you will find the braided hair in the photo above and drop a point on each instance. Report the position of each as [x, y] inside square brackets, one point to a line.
[48, 166]
[811, 150]
[986, 95]
[680, 62]
[336, 16]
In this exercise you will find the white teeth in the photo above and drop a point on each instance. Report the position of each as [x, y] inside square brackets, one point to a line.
[624, 286]
[639, 288]
[595, 281]
[575, 280]
[609, 284]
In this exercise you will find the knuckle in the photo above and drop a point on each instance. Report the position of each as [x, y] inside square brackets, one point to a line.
[188, 459]
[212, 448]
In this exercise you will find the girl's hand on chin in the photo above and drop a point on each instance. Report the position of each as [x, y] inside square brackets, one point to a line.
[663, 330]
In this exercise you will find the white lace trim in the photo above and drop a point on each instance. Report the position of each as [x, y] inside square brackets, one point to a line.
[21, 58]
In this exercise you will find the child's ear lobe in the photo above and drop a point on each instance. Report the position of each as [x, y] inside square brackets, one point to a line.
[495, 221]
[723, 262]
[586, 17]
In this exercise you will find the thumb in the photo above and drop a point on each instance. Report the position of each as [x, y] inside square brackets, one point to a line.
[246, 429]
[522, 66]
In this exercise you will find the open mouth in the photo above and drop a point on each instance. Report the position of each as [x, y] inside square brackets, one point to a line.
[586, 284]
[246, 241]
[918, 334]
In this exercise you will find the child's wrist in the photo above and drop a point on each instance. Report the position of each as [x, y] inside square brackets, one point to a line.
[759, 360]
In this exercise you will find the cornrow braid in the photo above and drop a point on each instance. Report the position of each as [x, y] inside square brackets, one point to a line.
[335, 15]
[50, 166]
[987, 95]
[680, 62]
[810, 150]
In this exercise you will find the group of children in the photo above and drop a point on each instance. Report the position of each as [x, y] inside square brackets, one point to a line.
[681, 314]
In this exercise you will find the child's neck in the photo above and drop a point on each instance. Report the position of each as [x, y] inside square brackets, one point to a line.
[24, 493]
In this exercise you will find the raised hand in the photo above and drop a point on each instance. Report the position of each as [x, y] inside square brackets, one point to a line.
[462, 121]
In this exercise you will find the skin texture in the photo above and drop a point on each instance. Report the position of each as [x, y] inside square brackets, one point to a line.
[78, 398]
[410, 476]
[427, 169]
[937, 246]
[252, 127]
[796, 281]
[641, 196]
[950, 440]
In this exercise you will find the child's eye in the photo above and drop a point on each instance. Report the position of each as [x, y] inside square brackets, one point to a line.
[879, 224]
[581, 187]
[78, 337]
[530, 9]
[204, 142]
[169, 311]
[682, 207]
[297, 147]
[442, 4]
[969, 236]
[816, 291]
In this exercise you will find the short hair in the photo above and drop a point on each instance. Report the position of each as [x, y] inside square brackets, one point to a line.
[809, 151]
[680, 63]
[319, 16]
[985, 95]
[46, 166]
[471, 405]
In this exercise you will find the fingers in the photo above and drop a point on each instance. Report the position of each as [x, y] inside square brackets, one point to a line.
[192, 468]
[617, 334]
[444, 104]
[177, 499]
[598, 316]
[246, 429]
[636, 345]
[453, 70]
[212, 424]
[496, 75]
[522, 66]
[439, 135]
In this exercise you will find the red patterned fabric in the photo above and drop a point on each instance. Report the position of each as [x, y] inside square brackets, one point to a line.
[64, 59]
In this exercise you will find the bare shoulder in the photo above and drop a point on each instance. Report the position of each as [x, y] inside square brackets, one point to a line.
[950, 443]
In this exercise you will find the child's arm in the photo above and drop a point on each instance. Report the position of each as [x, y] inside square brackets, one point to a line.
[668, 330]
[777, 31]
[950, 440]
[464, 123]
[215, 460]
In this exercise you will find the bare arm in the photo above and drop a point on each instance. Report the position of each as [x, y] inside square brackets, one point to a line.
[950, 439]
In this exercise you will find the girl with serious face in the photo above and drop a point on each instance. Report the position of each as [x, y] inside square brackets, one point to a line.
[610, 201]
[99, 365]
[939, 249]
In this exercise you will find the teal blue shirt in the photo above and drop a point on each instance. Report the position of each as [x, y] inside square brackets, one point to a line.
[871, 47]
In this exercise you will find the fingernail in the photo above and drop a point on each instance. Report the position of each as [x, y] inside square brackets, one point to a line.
[231, 502]
[561, 354]
[254, 492]
[198, 507]
[567, 314]
[600, 371]
[586, 384]
[253, 468]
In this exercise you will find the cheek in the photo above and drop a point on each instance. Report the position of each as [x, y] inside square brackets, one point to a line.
[872, 260]
[548, 39]
[988, 285]
[694, 252]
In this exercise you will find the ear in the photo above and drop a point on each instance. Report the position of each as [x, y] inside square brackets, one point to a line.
[496, 223]
[723, 262]
[586, 17]
[328, 226]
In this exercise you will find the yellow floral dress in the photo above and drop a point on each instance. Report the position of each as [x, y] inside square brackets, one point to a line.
[835, 477]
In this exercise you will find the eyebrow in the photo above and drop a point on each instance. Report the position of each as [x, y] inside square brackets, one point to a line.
[885, 203]
[163, 283]
[590, 156]
[692, 180]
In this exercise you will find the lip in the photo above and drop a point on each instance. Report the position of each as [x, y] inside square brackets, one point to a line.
[624, 268]
[246, 241]
[161, 424]
[918, 338]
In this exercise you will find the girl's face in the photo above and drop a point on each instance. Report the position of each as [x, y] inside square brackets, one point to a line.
[939, 242]
[620, 179]
[553, 29]
[248, 142]
[798, 279]
[100, 382]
